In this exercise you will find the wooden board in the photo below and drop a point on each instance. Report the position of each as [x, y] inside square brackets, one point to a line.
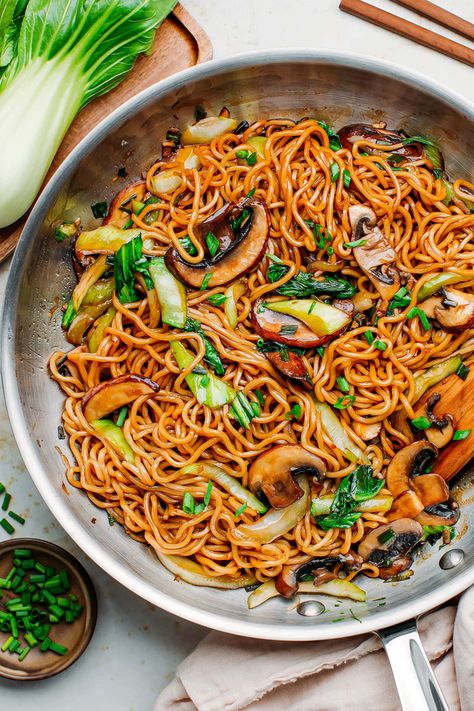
[179, 43]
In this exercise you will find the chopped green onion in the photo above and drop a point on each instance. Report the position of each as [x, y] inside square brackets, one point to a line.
[2, 487]
[6, 525]
[57, 648]
[342, 403]
[242, 410]
[122, 416]
[415, 311]
[99, 209]
[288, 330]
[386, 536]
[380, 345]
[461, 434]
[217, 299]
[206, 281]
[462, 371]
[294, 412]
[260, 397]
[369, 337]
[355, 243]
[320, 351]
[342, 384]
[6, 501]
[16, 517]
[188, 503]
[335, 171]
[346, 177]
[249, 156]
[207, 495]
[213, 244]
[22, 553]
[188, 246]
[251, 193]
[240, 510]
[421, 423]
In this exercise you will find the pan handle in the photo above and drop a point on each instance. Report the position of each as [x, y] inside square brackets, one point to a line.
[416, 683]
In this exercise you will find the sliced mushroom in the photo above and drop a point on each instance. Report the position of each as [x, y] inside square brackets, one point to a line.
[409, 462]
[363, 131]
[376, 257]
[388, 546]
[242, 232]
[407, 505]
[121, 206]
[273, 472]
[431, 489]
[114, 394]
[453, 309]
[287, 581]
[442, 428]
[290, 364]
[444, 514]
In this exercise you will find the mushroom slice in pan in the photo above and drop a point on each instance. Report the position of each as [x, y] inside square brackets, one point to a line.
[121, 206]
[431, 489]
[407, 505]
[287, 581]
[454, 309]
[392, 542]
[273, 472]
[241, 234]
[376, 257]
[444, 514]
[114, 394]
[290, 364]
[442, 428]
[362, 131]
[409, 462]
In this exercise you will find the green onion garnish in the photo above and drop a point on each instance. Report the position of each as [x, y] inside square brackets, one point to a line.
[288, 330]
[355, 243]
[122, 416]
[335, 171]
[346, 177]
[16, 517]
[240, 510]
[188, 503]
[249, 156]
[421, 423]
[294, 412]
[369, 337]
[6, 525]
[342, 384]
[217, 299]
[415, 311]
[260, 397]
[461, 434]
[207, 495]
[206, 281]
[6, 501]
[251, 193]
[462, 371]
[380, 345]
[342, 403]
[188, 246]
[386, 536]
[213, 244]
[99, 209]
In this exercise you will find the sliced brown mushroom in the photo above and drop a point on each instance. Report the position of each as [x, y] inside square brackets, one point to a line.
[287, 581]
[444, 514]
[114, 394]
[389, 546]
[409, 462]
[121, 206]
[442, 428]
[242, 232]
[431, 489]
[273, 472]
[290, 364]
[362, 131]
[376, 257]
[407, 505]
[453, 309]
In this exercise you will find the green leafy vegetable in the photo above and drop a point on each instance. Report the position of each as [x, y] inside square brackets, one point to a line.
[421, 423]
[346, 177]
[358, 486]
[242, 410]
[401, 300]
[461, 434]
[423, 318]
[188, 503]
[355, 243]
[303, 284]
[212, 244]
[342, 384]
[125, 266]
[240, 510]
[206, 387]
[380, 345]
[99, 209]
[188, 246]
[335, 171]
[66, 53]
[334, 140]
[249, 156]
[434, 532]
[294, 413]
[211, 355]
[369, 337]
[205, 281]
[217, 299]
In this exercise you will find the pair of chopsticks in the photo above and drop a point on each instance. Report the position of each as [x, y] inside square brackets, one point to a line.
[430, 39]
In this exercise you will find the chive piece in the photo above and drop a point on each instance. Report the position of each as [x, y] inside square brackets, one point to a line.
[251, 193]
[6, 501]
[23, 653]
[294, 412]
[421, 315]
[207, 495]
[288, 330]
[369, 337]
[260, 397]
[346, 177]
[122, 416]
[58, 648]
[2, 487]
[380, 345]
[355, 243]
[188, 503]
[6, 525]
[386, 536]
[240, 510]
[335, 171]
[342, 384]
[14, 646]
[205, 281]
[45, 644]
[217, 299]
[31, 639]
[342, 403]
[188, 246]
[7, 643]
[461, 434]
[99, 209]
[320, 351]
[16, 517]
[421, 423]
[311, 308]
[213, 244]
[462, 372]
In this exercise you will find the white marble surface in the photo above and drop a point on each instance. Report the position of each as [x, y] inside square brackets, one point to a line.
[136, 647]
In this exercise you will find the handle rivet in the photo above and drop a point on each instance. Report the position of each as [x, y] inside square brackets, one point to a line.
[310, 608]
[451, 559]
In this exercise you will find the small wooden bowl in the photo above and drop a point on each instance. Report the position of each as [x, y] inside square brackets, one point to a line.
[74, 635]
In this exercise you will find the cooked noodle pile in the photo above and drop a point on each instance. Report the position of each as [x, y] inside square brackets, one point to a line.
[301, 187]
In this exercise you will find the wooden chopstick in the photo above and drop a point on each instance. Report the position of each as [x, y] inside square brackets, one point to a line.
[430, 39]
[442, 17]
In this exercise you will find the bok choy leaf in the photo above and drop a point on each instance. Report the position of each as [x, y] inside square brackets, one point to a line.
[66, 53]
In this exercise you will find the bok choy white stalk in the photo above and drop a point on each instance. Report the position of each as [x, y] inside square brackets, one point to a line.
[55, 56]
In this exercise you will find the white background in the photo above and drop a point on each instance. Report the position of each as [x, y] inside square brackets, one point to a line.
[136, 647]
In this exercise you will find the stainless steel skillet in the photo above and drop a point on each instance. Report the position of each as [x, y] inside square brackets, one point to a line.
[340, 88]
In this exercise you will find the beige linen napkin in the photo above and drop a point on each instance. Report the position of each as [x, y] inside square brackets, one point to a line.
[227, 673]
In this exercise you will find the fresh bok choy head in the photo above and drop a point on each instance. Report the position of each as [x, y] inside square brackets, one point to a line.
[55, 56]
